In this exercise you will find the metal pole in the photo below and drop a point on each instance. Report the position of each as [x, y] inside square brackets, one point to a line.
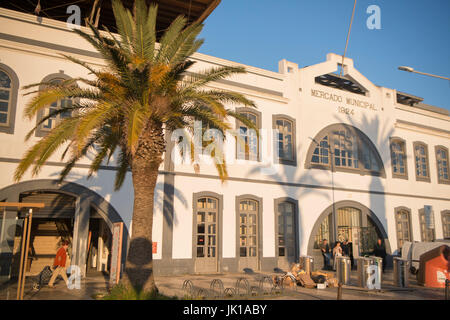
[30, 217]
[447, 284]
[348, 36]
[335, 220]
[430, 75]
[24, 234]
[339, 292]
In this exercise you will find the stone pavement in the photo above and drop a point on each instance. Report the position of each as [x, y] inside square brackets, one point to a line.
[172, 286]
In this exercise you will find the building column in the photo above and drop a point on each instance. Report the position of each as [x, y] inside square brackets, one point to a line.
[168, 201]
[7, 234]
[81, 233]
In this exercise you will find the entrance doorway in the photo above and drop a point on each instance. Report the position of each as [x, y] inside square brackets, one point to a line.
[55, 223]
[286, 232]
[98, 257]
[356, 224]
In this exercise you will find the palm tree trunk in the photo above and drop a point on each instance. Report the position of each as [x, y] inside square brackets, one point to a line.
[144, 167]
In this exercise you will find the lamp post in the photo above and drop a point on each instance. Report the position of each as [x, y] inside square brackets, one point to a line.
[409, 69]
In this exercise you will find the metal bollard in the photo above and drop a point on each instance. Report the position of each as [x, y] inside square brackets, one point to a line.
[363, 275]
[379, 263]
[343, 266]
[401, 272]
[307, 263]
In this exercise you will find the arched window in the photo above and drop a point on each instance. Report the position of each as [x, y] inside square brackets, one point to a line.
[442, 164]
[403, 226]
[285, 139]
[247, 142]
[398, 158]
[421, 161]
[341, 147]
[52, 121]
[9, 84]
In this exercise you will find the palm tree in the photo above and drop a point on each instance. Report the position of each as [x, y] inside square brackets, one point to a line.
[128, 110]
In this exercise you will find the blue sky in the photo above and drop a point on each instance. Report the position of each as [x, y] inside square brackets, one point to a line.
[413, 33]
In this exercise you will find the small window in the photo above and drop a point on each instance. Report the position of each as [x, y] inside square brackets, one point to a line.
[442, 165]
[45, 127]
[403, 222]
[9, 85]
[63, 103]
[398, 159]
[247, 142]
[421, 161]
[446, 224]
[427, 225]
[285, 139]
[5, 98]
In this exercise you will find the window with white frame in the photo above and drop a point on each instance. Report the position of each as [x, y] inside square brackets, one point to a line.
[398, 158]
[9, 86]
[285, 139]
[247, 139]
[421, 161]
[442, 165]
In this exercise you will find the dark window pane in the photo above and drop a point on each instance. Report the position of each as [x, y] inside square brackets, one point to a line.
[4, 95]
[5, 81]
[3, 106]
[3, 117]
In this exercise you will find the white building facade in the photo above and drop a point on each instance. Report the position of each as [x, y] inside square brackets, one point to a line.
[350, 160]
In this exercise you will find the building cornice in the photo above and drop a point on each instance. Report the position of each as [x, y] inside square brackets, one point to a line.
[411, 126]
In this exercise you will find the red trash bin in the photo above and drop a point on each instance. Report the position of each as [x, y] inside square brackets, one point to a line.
[434, 267]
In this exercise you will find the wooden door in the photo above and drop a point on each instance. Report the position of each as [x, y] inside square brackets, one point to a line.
[206, 235]
[286, 244]
[248, 235]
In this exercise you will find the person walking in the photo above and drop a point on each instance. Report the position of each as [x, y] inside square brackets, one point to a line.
[59, 264]
[326, 252]
[380, 251]
[337, 252]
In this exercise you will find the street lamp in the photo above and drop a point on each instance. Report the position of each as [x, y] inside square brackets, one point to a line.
[334, 216]
[409, 69]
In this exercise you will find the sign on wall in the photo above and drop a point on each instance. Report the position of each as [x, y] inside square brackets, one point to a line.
[429, 218]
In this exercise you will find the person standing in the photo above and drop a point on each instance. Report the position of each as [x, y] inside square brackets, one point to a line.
[337, 252]
[380, 251]
[326, 252]
[59, 264]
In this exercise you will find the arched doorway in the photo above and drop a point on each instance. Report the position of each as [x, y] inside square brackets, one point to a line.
[73, 212]
[355, 223]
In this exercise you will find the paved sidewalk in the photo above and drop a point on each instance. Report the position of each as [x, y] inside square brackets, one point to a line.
[172, 286]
